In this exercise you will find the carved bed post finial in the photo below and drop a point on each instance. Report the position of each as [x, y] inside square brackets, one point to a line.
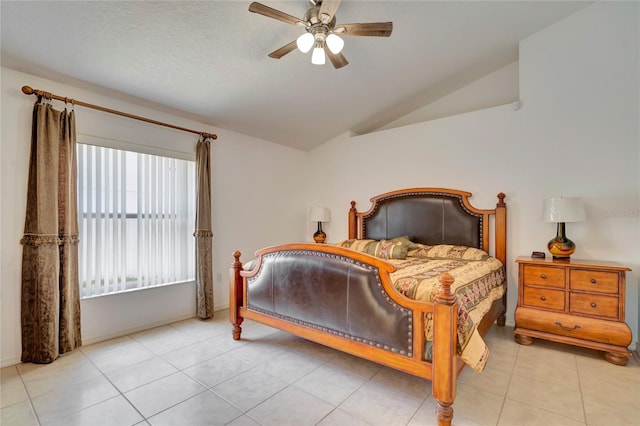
[445, 296]
[353, 224]
[501, 202]
[235, 295]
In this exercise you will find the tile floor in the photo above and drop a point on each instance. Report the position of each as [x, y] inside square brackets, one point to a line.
[192, 373]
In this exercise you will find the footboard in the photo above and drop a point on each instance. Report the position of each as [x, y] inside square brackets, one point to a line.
[331, 293]
[344, 299]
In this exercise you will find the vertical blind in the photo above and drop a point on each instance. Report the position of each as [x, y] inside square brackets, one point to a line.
[136, 214]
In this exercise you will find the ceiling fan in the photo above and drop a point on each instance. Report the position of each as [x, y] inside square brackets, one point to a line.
[322, 33]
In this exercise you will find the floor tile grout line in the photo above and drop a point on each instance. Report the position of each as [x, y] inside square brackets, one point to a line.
[174, 405]
[528, 403]
[155, 380]
[101, 373]
[179, 370]
[506, 393]
[288, 385]
[208, 388]
[114, 386]
[584, 407]
[29, 399]
[88, 406]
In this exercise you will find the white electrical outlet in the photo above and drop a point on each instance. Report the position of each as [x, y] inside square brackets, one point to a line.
[219, 277]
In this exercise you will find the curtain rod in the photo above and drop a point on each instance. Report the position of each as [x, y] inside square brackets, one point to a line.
[48, 95]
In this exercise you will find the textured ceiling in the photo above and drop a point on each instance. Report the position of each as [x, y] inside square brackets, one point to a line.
[207, 60]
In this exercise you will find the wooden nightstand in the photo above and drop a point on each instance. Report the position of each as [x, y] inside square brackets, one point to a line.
[579, 302]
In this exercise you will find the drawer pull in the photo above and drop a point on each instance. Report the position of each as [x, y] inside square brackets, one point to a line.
[593, 305]
[559, 324]
[543, 276]
[594, 281]
[543, 298]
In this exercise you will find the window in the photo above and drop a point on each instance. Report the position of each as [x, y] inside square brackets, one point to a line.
[136, 215]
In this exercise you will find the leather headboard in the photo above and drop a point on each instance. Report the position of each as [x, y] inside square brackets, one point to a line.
[425, 217]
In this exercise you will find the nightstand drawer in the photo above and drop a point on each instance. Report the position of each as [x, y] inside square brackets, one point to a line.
[544, 276]
[544, 298]
[591, 304]
[574, 326]
[596, 281]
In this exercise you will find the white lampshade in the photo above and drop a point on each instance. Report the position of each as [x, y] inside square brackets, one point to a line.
[335, 43]
[318, 57]
[319, 214]
[305, 42]
[563, 210]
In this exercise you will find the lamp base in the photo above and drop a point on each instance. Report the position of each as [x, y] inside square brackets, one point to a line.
[561, 248]
[319, 236]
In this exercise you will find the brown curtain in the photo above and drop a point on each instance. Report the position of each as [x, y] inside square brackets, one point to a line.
[50, 307]
[203, 233]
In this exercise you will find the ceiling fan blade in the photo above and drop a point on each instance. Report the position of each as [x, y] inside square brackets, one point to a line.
[328, 10]
[338, 60]
[279, 53]
[270, 12]
[375, 29]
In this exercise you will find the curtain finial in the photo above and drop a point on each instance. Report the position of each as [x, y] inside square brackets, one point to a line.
[206, 136]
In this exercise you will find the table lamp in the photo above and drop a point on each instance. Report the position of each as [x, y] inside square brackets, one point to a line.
[319, 214]
[562, 210]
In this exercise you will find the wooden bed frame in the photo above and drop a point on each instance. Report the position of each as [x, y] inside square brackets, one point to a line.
[290, 287]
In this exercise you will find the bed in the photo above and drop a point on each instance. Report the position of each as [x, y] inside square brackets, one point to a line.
[359, 296]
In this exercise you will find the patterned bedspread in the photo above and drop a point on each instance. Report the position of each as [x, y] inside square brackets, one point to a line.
[479, 281]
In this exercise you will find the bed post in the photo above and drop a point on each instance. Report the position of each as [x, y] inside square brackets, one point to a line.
[501, 229]
[353, 222]
[235, 295]
[501, 247]
[444, 351]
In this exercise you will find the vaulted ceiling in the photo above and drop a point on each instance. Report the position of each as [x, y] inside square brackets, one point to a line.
[207, 60]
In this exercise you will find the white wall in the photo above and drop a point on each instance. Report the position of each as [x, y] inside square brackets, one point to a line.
[577, 134]
[251, 188]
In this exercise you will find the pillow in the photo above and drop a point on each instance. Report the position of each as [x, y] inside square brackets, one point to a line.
[449, 251]
[419, 250]
[406, 241]
[384, 249]
[250, 265]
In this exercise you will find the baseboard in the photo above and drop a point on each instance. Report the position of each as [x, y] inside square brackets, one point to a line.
[9, 362]
[143, 327]
[220, 308]
[136, 329]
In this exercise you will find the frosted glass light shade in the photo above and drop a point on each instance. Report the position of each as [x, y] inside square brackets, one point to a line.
[335, 43]
[563, 210]
[319, 214]
[305, 42]
[318, 56]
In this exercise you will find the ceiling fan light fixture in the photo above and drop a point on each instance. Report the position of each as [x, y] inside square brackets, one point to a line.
[318, 56]
[335, 43]
[305, 42]
[322, 34]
